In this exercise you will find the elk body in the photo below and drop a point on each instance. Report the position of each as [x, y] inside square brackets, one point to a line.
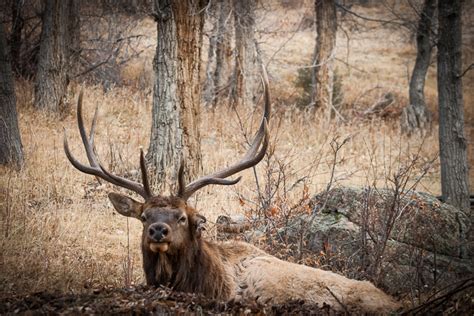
[176, 255]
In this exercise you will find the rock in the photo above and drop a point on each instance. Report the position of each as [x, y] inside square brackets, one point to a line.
[427, 244]
[232, 224]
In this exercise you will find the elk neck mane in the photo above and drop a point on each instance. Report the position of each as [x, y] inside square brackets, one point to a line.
[196, 268]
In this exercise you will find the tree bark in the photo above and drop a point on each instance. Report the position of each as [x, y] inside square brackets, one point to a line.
[220, 53]
[416, 115]
[452, 141]
[223, 51]
[11, 149]
[175, 123]
[323, 74]
[51, 76]
[247, 70]
[209, 88]
[16, 34]
[73, 37]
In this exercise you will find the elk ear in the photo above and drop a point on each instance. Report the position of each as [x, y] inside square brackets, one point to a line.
[199, 222]
[126, 205]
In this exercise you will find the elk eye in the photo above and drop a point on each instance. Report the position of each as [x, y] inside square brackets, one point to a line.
[143, 218]
[182, 219]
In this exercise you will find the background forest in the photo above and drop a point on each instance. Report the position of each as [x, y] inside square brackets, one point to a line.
[350, 143]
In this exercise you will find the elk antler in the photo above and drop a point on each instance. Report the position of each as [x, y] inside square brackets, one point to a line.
[95, 168]
[250, 159]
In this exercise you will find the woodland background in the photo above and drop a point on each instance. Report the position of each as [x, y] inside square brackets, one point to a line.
[59, 231]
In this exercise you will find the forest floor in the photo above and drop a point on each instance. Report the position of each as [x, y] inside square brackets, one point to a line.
[143, 300]
[163, 301]
[63, 249]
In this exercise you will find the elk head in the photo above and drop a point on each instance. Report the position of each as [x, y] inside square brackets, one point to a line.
[169, 224]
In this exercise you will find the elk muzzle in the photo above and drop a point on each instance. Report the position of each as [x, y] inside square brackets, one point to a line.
[158, 237]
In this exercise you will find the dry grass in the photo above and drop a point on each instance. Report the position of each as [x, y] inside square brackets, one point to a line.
[59, 232]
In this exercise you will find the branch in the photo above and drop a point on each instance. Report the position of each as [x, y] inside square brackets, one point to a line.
[338, 300]
[436, 302]
[470, 67]
[93, 67]
[368, 18]
[286, 42]
[350, 66]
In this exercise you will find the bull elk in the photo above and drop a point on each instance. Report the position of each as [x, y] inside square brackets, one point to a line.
[175, 254]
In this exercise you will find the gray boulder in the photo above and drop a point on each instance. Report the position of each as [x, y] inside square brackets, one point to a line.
[426, 247]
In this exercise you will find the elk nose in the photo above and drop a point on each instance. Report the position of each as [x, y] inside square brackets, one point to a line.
[158, 231]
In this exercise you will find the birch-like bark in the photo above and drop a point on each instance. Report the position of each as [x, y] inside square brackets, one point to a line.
[416, 115]
[323, 74]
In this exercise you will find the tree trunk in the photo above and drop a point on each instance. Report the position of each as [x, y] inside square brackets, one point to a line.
[247, 71]
[220, 53]
[11, 149]
[51, 75]
[176, 97]
[209, 88]
[416, 114]
[15, 38]
[323, 74]
[452, 141]
[73, 37]
[223, 51]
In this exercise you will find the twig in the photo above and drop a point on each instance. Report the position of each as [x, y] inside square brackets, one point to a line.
[434, 303]
[93, 67]
[286, 42]
[338, 300]
[470, 67]
[368, 18]
[350, 66]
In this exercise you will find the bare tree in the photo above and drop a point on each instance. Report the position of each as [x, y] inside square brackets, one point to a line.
[24, 21]
[416, 115]
[11, 151]
[452, 141]
[176, 97]
[223, 50]
[73, 37]
[323, 74]
[211, 18]
[15, 37]
[51, 81]
[247, 70]
[51, 75]
[220, 52]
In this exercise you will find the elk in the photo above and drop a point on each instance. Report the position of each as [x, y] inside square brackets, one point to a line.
[175, 253]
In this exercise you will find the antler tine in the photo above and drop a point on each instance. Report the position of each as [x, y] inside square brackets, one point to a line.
[146, 184]
[181, 182]
[95, 168]
[186, 191]
[266, 117]
[92, 130]
[250, 159]
[85, 140]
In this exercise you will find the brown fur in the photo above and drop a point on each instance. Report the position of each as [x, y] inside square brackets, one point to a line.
[236, 270]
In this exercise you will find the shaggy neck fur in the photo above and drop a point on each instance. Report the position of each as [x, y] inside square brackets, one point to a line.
[197, 269]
